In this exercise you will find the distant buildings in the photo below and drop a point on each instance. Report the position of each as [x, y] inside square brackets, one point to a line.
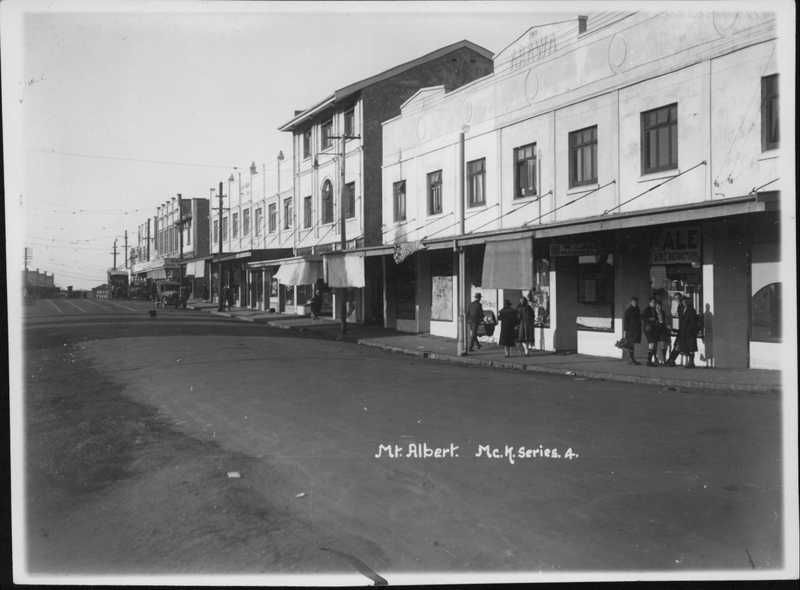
[39, 284]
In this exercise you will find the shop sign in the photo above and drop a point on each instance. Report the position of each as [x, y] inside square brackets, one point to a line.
[680, 245]
[574, 249]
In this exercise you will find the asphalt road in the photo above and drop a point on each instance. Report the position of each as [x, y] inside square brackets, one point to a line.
[133, 423]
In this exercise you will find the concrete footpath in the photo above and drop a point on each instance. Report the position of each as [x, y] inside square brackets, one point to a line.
[491, 355]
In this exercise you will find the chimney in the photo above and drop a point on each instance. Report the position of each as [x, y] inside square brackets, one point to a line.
[582, 23]
[296, 112]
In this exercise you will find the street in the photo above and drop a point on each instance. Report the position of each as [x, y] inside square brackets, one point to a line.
[189, 443]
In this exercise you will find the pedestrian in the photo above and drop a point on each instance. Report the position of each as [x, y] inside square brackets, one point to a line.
[526, 319]
[676, 311]
[650, 324]
[508, 324]
[315, 304]
[662, 333]
[688, 328]
[474, 318]
[632, 328]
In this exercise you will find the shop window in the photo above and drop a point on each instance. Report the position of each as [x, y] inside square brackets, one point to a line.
[307, 211]
[399, 192]
[327, 202]
[326, 130]
[583, 156]
[272, 217]
[405, 283]
[349, 122]
[671, 283]
[304, 294]
[288, 294]
[540, 295]
[525, 171]
[769, 113]
[235, 227]
[435, 192]
[246, 222]
[287, 213]
[660, 139]
[476, 182]
[350, 200]
[306, 144]
[765, 314]
[595, 293]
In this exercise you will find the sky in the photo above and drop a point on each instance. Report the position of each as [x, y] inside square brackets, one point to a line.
[122, 108]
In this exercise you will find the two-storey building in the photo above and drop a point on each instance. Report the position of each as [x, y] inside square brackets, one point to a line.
[323, 193]
[622, 155]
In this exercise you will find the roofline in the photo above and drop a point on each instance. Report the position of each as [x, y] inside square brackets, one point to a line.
[351, 89]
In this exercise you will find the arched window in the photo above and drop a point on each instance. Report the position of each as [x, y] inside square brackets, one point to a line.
[327, 202]
[765, 316]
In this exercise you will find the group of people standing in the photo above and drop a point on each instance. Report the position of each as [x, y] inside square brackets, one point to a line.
[653, 321]
[517, 325]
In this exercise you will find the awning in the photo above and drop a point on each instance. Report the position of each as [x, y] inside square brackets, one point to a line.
[299, 272]
[197, 268]
[508, 264]
[158, 273]
[344, 270]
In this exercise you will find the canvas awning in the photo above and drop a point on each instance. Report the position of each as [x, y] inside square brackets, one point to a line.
[158, 273]
[299, 272]
[344, 270]
[508, 264]
[196, 268]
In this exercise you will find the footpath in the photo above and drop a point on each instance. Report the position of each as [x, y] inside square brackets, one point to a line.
[578, 366]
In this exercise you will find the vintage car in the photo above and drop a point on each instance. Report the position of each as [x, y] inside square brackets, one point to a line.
[171, 293]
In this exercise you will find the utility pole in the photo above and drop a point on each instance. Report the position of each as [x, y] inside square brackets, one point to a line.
[126, 248]
[115, 253]
[342, 291]
[180, 241]
[219, 234]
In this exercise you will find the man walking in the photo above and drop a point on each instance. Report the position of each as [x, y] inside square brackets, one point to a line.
[632, 328]
[474, 319]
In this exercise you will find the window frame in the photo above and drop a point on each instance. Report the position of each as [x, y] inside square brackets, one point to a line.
[518, 189]
[576, 146]
[434, 181]
[325, 133]
[225, 229]
[471, 202]
[259, 215]
[214, 233]
[245, 222]
[272, 218]
[351, 114]
[396, 201]
[349, 200]
[287, 213]
[308, 212]
[306, 144]
[325, 208]
[770, 110]
[646, 129]
[235, 225]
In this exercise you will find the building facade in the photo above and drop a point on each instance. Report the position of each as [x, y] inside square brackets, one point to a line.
[345, 130]
[622, 155]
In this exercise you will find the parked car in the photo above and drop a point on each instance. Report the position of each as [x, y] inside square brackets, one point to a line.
[171, 293]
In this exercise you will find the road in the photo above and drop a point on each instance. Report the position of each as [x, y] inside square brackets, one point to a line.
[134, 423]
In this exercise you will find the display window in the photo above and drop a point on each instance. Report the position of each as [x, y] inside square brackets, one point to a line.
[670, 283]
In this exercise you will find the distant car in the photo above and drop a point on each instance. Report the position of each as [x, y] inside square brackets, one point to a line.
[171, 293]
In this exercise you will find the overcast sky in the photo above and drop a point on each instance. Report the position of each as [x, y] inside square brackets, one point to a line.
[205, 84]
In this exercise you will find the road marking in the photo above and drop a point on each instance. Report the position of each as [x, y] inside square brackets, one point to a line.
[80, 309]
[58, 309]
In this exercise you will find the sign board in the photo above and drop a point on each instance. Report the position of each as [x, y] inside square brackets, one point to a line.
[442, 299]
[587, 248]
[677, 245]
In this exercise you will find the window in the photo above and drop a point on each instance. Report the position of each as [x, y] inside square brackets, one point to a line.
[235, 227]
[224, 229]
[476, 182]
[525, 171]
[583, 156]
[307, 143]
[595, 310]
[189, 234]
[350, 200]
[245, 222]
[660, 139]
[765, 316]
[307, 211]
[259, 220]
[327, 202]
[325, 135]
[287, 213]
[349, 122]
[769, 113]
[435, 192]
[399, 191]
[272, 216]
[216, 232]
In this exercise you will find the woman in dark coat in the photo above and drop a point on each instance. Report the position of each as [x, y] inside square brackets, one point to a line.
[527, 323]
[662, 334]
[632, 328]
[508, 323]
[688, 326]
[650, 322]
